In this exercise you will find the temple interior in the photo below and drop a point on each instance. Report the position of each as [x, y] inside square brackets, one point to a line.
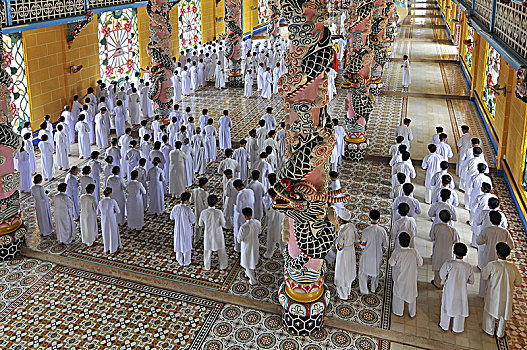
[468, 68]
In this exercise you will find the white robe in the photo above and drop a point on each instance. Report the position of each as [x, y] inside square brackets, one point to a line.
[183, 232]
[213, 221]
[244, 199]
[198, 146]
[267, 81]
[444, 237]
[185, 83]
[176, 82]
[406, 132]
[46, 158]
[62, 148]
[42, 210]
[73, 192]
[124, 144]
[88, 219]
[118, 194]
[259, 194]
[68, 117]
[464, 143]
[345, 264]
[24, 169]
[28, 146]
[248, 89]
[259, 78]
[219, 77]
[406, 74]
[101, 136]
[502, 277]
[432, 164]
[489, 237]
[193, 77]
[134, 108]
[83, 130]
[64, 225]
[276, 76]
[178, 179]
[405, 262]
[96, 170]
[374, 238]
[242, 157]
[249, 243]
[225, 124]
[134, 205]
[210, 143]
[156, 190]
[146, 103]
[456, 274]
[108, 209]
[189, 164]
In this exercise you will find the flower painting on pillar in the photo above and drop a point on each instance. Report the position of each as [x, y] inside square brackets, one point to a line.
[263, 11]
[118, 44]
[14, 59]
[189, 23]
[492, 76]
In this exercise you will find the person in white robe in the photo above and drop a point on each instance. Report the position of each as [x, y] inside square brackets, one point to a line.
[96, 170]
[212, 221]
[120, 118]
[345, 264]
[487, 240]
[407, 197]
[193, 76]
[124, 145]
[225, 124]
[443, 237]
[64, 225]
[189, 162]
[70, 121]
[166, 149]
[146, 148]
[134, 202]
[201, 73]
[62, 148]
[24, 169]
[456, 274]
[176, 82]
[274, 220]
[210, 141]
[199, 148]
[83, 130]
[108, 209]
[116, 183]
[259, 77]
[73, 190]
[241, 155]
[276, 75]
[184, 219]
[374, 239]
[219, 75]
[267, 81]
[146, 103]
[185, 81]
[464, 143]
[134, 107]
[432, 164]
[177, 179]
[114, 152]
[85, 179]
[253, 149]
[405, 131]
[265, 169]
[248, 238]
[156, 191]
[502, 277]
[28, 146]
[198, 198]
[44, 131]
[259, 193]
[405, 262]
[101, 135]
[88, 216]
[332, 76]
[229, 200]
[142, 178]
[407, 79]
[244, 199]
[42, 207]
[443, 148]
[248, 87]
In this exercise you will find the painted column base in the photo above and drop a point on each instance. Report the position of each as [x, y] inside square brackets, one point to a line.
[355, 147]
[11, 243]
[303, 318]
[235, 81]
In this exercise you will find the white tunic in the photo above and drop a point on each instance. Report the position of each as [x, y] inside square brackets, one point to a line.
[245, 199]
[406, 74]
[118, 194]
[88, 218]
[374, 238]
[62, 148]
[124, 144]
[64, 225]
[73, 192]
[83, 130]
[432, 164]
[24, 169]
[219, 77]
[101, 135]
[406, 132]
[108, 209]
[156, 190]
[46, 158]
[405, 262]
[259, 194]
[248, 89]
[198, 146]
[456, 274]
[249, 243]
[444, 238]
[267, 81]
[213, 221]
[345, 264]
[502, 276]
[42, 210]
[134, 205]
[210, 143]
[178, 177]
[225, 124]
[183, 232]
[242, 157]
[490, 236]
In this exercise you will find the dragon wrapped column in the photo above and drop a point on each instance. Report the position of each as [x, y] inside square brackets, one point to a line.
[302, 181]
[12, 228]
[273, 26]
[161, 91]
[233, 31]
[378, 39]
[357, 77]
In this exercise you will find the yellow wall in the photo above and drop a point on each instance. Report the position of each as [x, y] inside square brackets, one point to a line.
[48, 59]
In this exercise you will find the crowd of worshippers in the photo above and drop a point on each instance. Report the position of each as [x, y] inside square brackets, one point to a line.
[490, 235]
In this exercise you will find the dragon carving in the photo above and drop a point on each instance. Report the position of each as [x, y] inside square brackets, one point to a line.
[161, 90]
[302, 195]
[233, 30]
[274, 21]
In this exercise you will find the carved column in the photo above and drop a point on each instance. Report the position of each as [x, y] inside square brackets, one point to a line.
[12, 228]
[273, 26]
[357, 77]
[233, 30]
[309, 225]
[161, 91]
[378, 40]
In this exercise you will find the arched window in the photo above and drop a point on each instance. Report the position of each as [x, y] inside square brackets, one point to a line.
[189, 23]
[118, 44]
[14, 59]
